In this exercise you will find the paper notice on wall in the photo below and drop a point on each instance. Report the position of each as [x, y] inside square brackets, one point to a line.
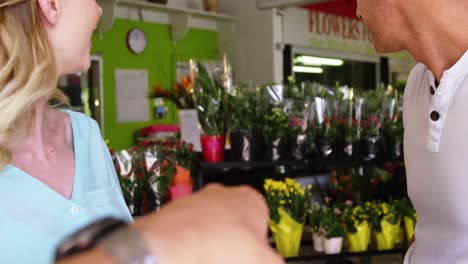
[131, 89]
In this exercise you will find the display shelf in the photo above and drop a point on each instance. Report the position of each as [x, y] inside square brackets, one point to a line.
[253, 164]
[229, 164]
[180, 19]
[311, 256]
[307, 253]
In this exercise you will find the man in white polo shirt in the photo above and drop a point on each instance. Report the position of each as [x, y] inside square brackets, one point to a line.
[435, 117]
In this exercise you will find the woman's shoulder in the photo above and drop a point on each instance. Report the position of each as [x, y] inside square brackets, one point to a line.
[83, 125]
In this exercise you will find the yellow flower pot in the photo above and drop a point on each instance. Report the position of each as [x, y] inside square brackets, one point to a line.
[386, 239]
[359, 241]
[409, 226]
[287, 234]
[400, 238]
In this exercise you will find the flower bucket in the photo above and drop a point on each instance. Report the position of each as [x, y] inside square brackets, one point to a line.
[333, 245]
[349, 150]
[371, 148]
[213, 148]
[359, 241]
[325, 147]
[181, 191]
[277, 150]
[189, 128]
[298, 147]
[182, 177]
[400, 238]
[318, 242]
[386, 239]
[396, 149]
[409, 227]
[287, 234]
[246, 146]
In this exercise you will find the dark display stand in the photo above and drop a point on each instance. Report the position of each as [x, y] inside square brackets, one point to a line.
[254, 173]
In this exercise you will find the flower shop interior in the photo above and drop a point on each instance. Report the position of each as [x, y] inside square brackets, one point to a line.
[286, 96]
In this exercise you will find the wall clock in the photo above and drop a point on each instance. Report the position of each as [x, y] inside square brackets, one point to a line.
[136, 40]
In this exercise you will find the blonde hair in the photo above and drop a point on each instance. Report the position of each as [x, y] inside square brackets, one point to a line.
[28, 72]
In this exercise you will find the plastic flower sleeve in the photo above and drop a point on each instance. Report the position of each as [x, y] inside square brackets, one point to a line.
[287, 234]
[386, 239]
[359, 241]
[123, 162]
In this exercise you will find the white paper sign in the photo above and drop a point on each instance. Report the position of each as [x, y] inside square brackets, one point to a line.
[131, 88]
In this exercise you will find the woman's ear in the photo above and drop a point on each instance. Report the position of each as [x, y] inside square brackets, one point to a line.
[49, 10]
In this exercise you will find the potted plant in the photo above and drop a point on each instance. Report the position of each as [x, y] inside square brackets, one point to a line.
[245, 113]
[210, 101]
[357, 226]
[393, 132]
[182, 96]
[288, 203]
[316, 213]
[298, 111]
[333, 230]
[371, 141]
[325, 136]
[409, 215]
[182, 182]
[385, 220]
[275, 131]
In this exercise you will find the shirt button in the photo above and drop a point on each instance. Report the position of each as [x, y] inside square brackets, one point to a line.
[432, 90]
[74, 210]
[435, 116]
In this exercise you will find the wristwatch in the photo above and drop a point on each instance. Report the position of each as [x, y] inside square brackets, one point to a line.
[116, 237]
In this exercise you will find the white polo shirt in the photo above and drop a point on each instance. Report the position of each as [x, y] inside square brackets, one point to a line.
[436, 159]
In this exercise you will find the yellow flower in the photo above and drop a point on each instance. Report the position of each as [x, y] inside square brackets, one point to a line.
[290, 181]
[282, 202]
[297, 185]
[309, 186]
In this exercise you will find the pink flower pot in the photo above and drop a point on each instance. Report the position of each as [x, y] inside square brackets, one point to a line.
[181, 191]
[213, 148]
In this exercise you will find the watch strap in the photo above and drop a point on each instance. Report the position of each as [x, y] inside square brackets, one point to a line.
[85, 238]
[127, 246]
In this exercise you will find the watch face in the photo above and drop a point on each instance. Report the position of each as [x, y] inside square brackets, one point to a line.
[136, 41]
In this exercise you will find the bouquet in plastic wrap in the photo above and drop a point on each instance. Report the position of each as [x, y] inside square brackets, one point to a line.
[147, 173]
[245, 113]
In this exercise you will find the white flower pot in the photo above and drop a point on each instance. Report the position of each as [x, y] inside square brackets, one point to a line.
[190, 129]
[318, 242]
[333, 245]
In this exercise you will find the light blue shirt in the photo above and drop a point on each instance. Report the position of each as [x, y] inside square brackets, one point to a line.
[34, 218]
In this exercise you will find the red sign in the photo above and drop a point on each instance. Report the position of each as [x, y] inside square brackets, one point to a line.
[337, 27]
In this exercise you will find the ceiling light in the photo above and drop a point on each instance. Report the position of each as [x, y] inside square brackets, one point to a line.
[304, 69]
[311, 60]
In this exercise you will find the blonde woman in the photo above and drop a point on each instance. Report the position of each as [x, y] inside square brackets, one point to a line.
[56, 173]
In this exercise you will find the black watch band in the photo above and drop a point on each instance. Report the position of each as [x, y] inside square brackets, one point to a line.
[117, 238]
[87, 237]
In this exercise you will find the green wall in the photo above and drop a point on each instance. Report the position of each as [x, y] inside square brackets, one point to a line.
[159, 59]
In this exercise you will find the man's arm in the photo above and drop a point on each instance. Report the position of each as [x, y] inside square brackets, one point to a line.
[215, 225]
